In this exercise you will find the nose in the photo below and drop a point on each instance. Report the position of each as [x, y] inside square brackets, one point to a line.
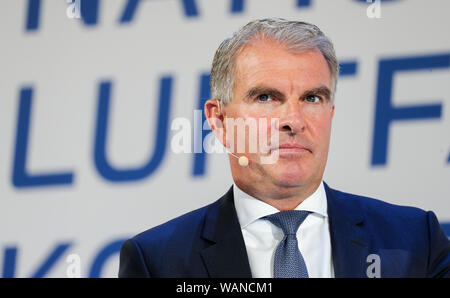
[292, 120]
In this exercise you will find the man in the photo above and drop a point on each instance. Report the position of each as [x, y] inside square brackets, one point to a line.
[280, 219]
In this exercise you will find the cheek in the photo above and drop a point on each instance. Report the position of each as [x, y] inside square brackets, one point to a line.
[322, 126]
[323, 143]
[246, 127]
[320, 129]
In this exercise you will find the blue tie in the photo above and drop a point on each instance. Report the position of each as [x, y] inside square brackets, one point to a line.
[288, 259]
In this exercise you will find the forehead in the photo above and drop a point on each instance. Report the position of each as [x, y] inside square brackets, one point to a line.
[269, 62]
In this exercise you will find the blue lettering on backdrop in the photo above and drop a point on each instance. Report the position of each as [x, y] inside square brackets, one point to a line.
[103, 166]
[237, 6]
[386, 113]
[303, 3]
[10, 261]
[51, 260]
[189, 6]
[20, 176]
[10, 255]
[107, 252]
[90, 11]
[348, 68]
[33, 10]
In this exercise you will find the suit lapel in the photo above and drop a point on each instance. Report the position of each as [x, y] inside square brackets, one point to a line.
[226, 256]
[348, 235]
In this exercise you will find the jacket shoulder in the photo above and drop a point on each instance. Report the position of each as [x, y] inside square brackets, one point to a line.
[374, 208]
[389, 225]
[160, 250]
[175, 229]
[402, 231]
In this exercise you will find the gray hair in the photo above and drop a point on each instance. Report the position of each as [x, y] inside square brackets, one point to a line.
[296, 36]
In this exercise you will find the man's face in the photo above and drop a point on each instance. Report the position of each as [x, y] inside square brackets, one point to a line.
[296, 88]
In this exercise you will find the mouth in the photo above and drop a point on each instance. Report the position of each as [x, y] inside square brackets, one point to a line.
[291, 148]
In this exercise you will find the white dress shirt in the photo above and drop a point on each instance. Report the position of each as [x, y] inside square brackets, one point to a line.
[261, 237]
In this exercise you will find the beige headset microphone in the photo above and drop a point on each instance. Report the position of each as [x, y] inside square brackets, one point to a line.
[243, 160]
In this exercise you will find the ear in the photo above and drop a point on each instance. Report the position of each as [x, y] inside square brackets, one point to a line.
[215, 115]
[332, 111]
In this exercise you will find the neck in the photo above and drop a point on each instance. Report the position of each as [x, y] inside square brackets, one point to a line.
[281, 197]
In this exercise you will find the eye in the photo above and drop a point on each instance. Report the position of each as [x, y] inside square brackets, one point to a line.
[312, 98]
[264, 97]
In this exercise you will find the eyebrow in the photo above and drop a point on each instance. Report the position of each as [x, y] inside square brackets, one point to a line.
[322, 90]
[258, 90]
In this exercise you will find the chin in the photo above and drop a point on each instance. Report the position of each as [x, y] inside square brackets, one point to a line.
[291, 173]
[293, 179]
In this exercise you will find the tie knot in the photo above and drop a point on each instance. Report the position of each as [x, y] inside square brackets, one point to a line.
[288, 221]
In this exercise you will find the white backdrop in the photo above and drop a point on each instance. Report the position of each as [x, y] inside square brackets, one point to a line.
[63, 193]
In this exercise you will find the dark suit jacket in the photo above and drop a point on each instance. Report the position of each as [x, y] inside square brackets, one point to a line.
[208, 242]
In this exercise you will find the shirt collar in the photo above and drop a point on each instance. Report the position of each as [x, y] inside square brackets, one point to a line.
[250, 209]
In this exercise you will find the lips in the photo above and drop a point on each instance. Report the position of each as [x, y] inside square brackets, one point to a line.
[291, 148]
